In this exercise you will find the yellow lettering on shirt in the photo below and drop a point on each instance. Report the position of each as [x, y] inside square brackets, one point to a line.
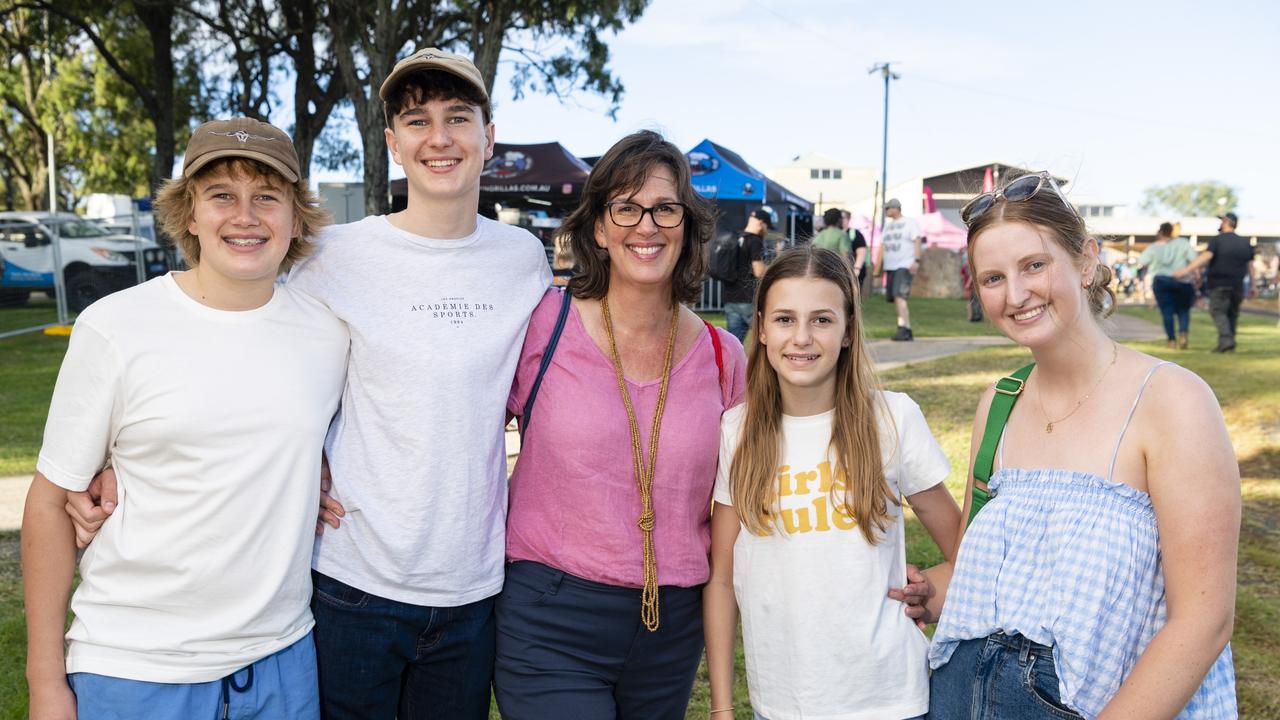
[793, 525]
[822, 515]
[803, 479]
[842, 520]
[820, 512]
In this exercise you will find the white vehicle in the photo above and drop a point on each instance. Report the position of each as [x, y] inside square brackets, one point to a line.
[95, 262]
[119, 214]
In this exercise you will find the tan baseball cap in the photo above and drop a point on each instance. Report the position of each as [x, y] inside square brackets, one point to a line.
[434, 59]
[243, 138]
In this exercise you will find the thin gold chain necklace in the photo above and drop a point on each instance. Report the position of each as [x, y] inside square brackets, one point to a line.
[1048, 427]
[644, 475]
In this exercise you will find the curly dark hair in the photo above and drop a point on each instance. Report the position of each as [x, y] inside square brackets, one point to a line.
[622, 170]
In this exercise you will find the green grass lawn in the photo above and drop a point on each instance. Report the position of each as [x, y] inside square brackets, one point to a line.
[36, 312]
[947, 389]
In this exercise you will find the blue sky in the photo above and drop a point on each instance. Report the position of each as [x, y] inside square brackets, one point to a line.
[1118, 95]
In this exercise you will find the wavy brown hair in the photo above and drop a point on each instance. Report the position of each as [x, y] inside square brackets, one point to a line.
[855, 431]
[621, 171]
[1046, 210]
[175, 207]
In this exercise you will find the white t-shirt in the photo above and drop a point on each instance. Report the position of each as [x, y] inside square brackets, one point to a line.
[822, 638]
[417, 451]
[214, 421]
[899, 242]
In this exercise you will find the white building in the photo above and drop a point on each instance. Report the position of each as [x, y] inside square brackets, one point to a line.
[827, 182]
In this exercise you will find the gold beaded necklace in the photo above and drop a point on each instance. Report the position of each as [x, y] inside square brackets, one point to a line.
[643, 473]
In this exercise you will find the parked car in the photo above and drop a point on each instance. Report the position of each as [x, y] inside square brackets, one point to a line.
[95, 262]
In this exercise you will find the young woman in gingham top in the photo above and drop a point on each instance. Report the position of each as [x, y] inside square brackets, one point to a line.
[1099, 581]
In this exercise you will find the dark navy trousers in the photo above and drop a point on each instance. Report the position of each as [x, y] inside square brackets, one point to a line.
[381, 659]
[569, 647]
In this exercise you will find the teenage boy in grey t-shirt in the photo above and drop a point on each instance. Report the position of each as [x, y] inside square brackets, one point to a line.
[437, 299]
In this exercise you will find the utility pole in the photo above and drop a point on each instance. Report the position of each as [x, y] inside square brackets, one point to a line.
[888, 74]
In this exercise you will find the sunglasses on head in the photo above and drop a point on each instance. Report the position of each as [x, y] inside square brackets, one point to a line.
[1024, 188]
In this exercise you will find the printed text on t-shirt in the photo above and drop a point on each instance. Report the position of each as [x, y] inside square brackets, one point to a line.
[821, 514]
[456, 311]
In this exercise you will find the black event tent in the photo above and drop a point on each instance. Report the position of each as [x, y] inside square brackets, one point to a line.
[540, 175]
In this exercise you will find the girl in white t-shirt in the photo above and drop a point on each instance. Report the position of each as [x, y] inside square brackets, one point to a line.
[807, 529]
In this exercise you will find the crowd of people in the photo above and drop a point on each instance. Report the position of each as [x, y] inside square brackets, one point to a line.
[673, 478]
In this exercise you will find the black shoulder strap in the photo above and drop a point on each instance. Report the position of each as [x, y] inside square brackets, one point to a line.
[1007, 391]
[565, 297]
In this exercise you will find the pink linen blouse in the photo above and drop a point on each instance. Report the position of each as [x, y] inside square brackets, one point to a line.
[573, 496]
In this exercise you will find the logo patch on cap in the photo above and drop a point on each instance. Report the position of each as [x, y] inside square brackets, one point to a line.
[240, 135]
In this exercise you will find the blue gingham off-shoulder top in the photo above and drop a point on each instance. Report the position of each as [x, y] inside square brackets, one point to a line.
[1070, 560]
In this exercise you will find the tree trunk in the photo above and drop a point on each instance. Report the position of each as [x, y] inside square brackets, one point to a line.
[385, 35]
[157, 17]
[488, 27]
[303, 22]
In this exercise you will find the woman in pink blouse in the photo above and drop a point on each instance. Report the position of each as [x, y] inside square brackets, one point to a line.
[608, 530]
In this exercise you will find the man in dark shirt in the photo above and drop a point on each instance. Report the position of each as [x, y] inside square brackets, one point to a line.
[1230, 259]
[738, 296]
[858, 249]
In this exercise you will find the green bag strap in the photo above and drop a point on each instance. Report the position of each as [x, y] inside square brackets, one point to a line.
[1007, 391]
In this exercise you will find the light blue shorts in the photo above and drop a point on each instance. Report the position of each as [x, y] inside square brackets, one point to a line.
[282, 686]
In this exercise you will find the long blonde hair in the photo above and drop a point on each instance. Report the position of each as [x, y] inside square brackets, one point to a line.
[855, 431]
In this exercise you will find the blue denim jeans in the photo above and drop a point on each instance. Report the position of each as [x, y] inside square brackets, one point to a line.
[1174, 299]
[999, 677]
[282, 685]
[381, 659]
[737, 319]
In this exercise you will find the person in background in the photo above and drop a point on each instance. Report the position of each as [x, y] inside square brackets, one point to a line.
[1229, 259]
[737, 295]
[562, 264]
[1174, 297]
[898, 256]
[832, 236]
[859, 244]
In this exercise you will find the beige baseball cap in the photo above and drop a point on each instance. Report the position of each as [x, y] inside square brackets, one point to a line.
[243, 138]
[434, 59]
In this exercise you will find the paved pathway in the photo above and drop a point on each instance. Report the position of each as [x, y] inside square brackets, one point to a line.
[887, 354]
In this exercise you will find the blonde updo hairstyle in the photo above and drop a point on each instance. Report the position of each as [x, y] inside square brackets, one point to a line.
[1047, 211]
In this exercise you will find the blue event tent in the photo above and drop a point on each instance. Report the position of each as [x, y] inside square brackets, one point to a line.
[737, 188]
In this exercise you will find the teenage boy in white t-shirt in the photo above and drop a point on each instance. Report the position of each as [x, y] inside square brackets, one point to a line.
[211, 391]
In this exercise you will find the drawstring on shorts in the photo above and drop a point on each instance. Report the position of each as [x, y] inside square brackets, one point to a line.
[229, 684]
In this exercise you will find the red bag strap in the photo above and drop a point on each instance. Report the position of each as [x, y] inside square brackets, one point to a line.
[715, 343]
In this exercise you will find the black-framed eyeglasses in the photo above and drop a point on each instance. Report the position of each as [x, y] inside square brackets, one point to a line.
[629, 214]
[1020, 190]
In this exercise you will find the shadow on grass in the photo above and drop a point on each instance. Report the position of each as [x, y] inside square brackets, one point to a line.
[1263, 464]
